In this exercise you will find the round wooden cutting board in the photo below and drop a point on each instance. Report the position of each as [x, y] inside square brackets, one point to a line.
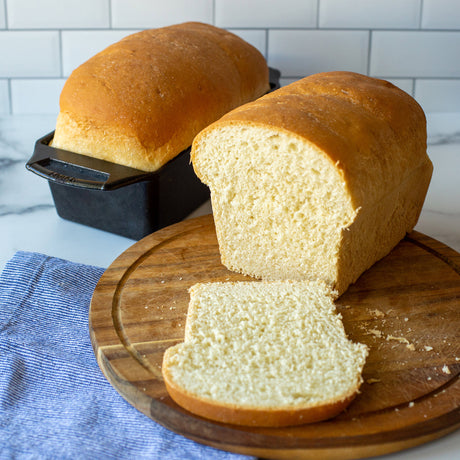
[406, 308]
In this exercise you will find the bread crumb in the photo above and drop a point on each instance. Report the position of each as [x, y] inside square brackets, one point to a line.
[406, 319]
[375, 332]
[428, 348]
[162, 281]
[428, 378]
[457, 359]
[411, 404]
[446, 369]
[180, 278]
[398, 339]
[371, 381]
[377, 313]
[410, 347]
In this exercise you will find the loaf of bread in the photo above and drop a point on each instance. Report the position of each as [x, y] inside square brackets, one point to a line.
[317, 180]
[264, 354]
[142, 100]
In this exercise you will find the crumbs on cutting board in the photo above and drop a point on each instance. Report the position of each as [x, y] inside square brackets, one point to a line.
[379, 334]
[377, 313]
[445, 369]
[372, 330]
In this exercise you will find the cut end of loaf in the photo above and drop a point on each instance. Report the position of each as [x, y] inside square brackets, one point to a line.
[280, 205]
[264, 354]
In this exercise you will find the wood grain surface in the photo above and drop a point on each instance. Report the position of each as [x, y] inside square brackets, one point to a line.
[406, 308]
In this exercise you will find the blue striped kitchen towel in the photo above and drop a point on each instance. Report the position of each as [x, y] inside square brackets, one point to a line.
[55, 403]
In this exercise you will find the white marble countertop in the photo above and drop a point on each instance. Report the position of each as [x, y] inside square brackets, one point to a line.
[28, 220]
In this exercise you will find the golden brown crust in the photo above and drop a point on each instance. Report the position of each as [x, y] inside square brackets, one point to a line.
[142, 100]
[370, 129]
[251, 416]
[372, 134]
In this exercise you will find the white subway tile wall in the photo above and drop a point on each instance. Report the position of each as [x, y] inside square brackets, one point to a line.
[2, 14]
[428, 92]
[62, 14]
[370, 14]
[413, 43]
[266, 14]
[30, 53]
[415, 54]
[441, 14]
[301, 52]
[153, 13]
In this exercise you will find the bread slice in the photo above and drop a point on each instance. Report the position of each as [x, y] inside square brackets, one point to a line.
[141, 101]
[317, 180]
[264, 354]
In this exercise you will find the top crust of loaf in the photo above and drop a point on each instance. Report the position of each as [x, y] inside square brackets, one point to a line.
[141, 101]
[351, 119]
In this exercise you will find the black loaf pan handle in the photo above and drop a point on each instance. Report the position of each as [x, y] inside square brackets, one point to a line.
[69, 168]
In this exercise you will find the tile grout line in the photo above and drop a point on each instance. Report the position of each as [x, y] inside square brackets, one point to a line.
[110, 15]
[317, 13]
[420, 29]
[267, 42]
[420, 15]
[5, 11]
[8, 80]
[295, 29]
[61, 64]
[369, 52]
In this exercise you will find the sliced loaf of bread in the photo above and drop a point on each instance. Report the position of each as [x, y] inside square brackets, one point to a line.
[264, 354]
[317, 180]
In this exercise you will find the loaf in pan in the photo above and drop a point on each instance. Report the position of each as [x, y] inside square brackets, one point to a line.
[141, 101]
[119, 159]
[317, 180]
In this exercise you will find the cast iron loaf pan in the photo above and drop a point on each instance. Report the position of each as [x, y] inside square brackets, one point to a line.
[116, 198]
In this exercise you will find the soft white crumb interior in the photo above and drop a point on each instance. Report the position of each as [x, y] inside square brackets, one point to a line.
[266, 344]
